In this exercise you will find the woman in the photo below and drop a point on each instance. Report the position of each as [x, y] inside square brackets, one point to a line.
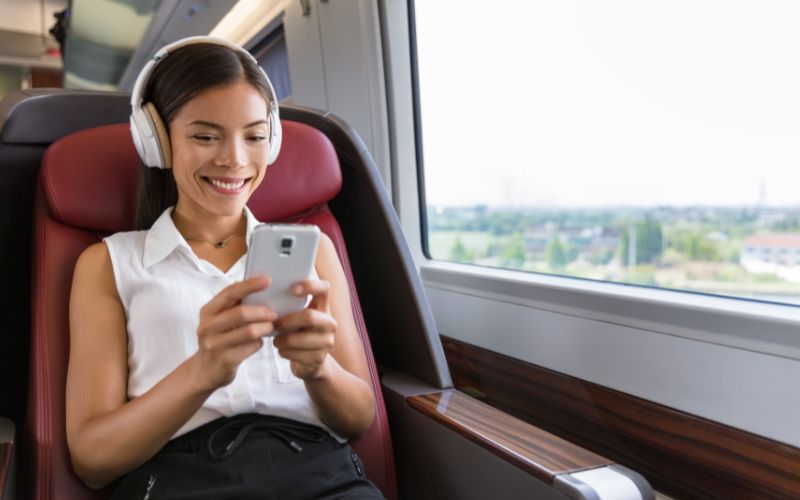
[173, 384]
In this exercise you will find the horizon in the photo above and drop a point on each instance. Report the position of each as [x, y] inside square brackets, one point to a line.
[432, 206]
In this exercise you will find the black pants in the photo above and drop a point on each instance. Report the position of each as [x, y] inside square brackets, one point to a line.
[250, 457]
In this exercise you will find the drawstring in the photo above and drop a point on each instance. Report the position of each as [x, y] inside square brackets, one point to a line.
[287, 435]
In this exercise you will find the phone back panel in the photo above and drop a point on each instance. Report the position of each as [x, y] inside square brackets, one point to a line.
[286, 264]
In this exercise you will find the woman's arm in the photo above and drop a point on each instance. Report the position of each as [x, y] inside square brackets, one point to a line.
[339, 383]
[109, 436]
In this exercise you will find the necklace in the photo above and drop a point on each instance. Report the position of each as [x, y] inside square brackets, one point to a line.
[217, 244]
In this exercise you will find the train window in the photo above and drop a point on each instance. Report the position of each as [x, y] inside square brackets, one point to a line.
[271, 55]
[647, 143]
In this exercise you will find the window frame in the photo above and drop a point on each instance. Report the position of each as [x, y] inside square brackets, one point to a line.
[423, 208]
[666, 300]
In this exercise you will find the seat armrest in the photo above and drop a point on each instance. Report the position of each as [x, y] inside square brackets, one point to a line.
[574, 471]
[7, 459]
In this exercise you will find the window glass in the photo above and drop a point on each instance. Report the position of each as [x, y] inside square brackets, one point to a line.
[273, 57]
[654, 143]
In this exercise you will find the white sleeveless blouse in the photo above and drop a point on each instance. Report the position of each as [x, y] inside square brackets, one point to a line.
[163, 285]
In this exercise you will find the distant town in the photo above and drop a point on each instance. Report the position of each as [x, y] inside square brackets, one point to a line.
[749, 252]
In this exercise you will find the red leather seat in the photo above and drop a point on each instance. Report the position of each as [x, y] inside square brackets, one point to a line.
[86, 191]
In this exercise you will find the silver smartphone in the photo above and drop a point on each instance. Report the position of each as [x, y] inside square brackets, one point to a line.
[286, 252]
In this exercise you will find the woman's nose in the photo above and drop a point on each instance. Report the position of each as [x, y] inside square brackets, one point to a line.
[232, 154]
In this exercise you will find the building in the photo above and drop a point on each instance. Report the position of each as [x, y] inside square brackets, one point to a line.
[773, 253]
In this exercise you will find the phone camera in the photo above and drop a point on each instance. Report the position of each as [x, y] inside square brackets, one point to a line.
[286, 243]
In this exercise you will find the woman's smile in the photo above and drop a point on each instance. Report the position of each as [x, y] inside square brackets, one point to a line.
[227, 185]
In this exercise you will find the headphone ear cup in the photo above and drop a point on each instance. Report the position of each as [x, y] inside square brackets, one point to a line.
[162, 134]
[275, 139]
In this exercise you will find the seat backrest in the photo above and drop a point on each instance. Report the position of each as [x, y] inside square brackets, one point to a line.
[86, 191]
[27, 128]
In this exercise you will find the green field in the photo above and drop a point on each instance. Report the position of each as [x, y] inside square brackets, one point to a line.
[440, 242]
[726, 278]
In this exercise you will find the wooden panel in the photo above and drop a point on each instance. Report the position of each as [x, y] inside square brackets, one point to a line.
[538, 452]
[680, 454]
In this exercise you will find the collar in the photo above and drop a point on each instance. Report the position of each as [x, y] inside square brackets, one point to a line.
[163, 237]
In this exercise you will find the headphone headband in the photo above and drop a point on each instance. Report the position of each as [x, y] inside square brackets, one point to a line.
[145, 132]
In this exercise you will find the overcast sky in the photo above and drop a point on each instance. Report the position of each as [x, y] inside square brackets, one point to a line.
[586, 102]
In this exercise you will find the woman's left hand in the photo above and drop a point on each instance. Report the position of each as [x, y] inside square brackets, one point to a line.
[306, 337]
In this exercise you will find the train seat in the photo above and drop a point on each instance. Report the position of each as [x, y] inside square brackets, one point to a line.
[27, 128]
[86, 191]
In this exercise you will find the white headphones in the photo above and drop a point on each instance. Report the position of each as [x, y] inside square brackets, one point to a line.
[151, 135]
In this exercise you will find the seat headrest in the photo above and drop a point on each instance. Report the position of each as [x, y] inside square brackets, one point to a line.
[89, 178]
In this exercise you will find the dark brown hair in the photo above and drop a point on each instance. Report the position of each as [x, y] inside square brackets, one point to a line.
[176, 80]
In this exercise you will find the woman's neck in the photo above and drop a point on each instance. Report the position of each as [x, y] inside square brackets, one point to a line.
[207, 227]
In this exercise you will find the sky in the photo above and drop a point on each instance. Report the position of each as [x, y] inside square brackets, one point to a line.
[620, 102]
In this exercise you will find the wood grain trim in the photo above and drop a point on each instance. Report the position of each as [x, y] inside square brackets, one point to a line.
[535, 451]
[681, 455]
[6, 452]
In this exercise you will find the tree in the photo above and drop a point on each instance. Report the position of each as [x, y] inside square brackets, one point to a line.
[695, 246]
[555, 254]
[649, 242]
[699, 248]
[459, 253]
[513, 254]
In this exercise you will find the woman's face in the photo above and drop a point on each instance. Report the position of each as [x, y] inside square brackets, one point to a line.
[220, 147]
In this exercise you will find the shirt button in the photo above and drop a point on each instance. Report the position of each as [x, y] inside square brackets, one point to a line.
[238, 395]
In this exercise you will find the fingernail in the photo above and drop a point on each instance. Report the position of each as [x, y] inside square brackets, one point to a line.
[298, 289]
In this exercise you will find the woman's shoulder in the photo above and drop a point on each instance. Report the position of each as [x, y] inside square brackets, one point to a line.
[93, 281]
[99, 256]
[93, 255]
[124, 237]
[100, 260]
[94, 261]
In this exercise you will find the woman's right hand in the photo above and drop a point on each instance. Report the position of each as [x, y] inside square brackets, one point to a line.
[230, 331]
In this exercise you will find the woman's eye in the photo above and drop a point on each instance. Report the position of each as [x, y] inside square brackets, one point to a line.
[204, 138]
[257, 138]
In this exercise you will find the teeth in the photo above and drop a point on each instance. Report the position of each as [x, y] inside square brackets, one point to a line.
[229, 186]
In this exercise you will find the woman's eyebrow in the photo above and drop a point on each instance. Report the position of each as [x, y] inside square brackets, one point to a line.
[220, 127]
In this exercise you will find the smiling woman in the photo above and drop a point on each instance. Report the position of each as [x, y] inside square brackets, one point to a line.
[174, 385]
[168, 88]
[218, 165]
